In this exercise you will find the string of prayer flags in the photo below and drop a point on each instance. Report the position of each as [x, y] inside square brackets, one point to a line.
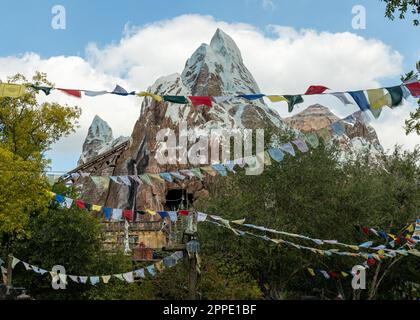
[315, 90]
[366, 245]
[12, 90]
[128, 277]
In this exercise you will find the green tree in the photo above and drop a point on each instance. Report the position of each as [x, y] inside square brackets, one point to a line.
[412, 124]
[72, 238]
[402, 7]
[317, 195]
[27, 130]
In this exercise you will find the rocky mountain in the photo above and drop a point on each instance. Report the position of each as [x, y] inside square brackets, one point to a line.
[98, 140]
[216, 69]
[359, 135]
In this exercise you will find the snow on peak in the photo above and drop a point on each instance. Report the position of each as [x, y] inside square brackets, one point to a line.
[218, 69]
[224, 45]
[98, 140]
[100, 130]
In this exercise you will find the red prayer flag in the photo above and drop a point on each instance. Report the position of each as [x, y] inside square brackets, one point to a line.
[365, 230]
[333, 274]
[71, 92]
[316, 90]
[128, 214]
[80, 204]
[371, 262]
[184, 212]
[414, 89]
[199, 101]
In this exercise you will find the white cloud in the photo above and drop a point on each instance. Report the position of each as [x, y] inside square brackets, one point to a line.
[283, 60]
[268, 4]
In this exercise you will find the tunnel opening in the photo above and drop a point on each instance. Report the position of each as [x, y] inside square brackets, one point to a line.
[178, 199]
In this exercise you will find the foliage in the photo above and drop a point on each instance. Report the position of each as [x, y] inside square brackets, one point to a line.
[27, 130]
[317, 195]
[402, 7]
[412, 124]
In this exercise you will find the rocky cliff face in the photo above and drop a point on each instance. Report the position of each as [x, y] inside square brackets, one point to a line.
[216, 69]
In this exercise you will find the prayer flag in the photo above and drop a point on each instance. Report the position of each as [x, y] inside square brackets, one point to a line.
[316, 90]
[276, 98]
[12, 90]
[396, 94]
[71, 92]
[293, 100]
[200, 101]
[414, 89]
[251, 96]
[176, 99]
[342, 97]
[148, 94]
[360, 98]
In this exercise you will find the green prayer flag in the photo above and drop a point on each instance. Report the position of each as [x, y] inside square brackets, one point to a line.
[396, 95]
[197, 173]
[176, 99]
[46, 90]
[312, 139]
[293, 100]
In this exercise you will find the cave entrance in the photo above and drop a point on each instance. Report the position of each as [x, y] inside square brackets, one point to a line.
[178, 199]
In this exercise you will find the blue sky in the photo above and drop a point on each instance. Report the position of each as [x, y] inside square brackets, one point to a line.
[28, 22]
[87, 53]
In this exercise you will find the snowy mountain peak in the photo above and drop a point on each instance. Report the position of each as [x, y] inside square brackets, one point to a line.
[224, 45]
[218, 69]
[98, 140]
[99, 129]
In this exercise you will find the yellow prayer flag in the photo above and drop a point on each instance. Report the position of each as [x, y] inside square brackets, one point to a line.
[393, 236]
[276, 98]
[12, 90]
[148, 94]
[156, 176]
[159, 266]
[344, 274]
[410, 228]
[51, 194]
[151, 212]
[311, 271]
[209, 170]
[378, 99]
[267, 159]
[381, 252]
[95, 207]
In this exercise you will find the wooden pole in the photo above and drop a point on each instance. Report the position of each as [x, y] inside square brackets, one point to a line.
[192, 276]
[9, 274]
